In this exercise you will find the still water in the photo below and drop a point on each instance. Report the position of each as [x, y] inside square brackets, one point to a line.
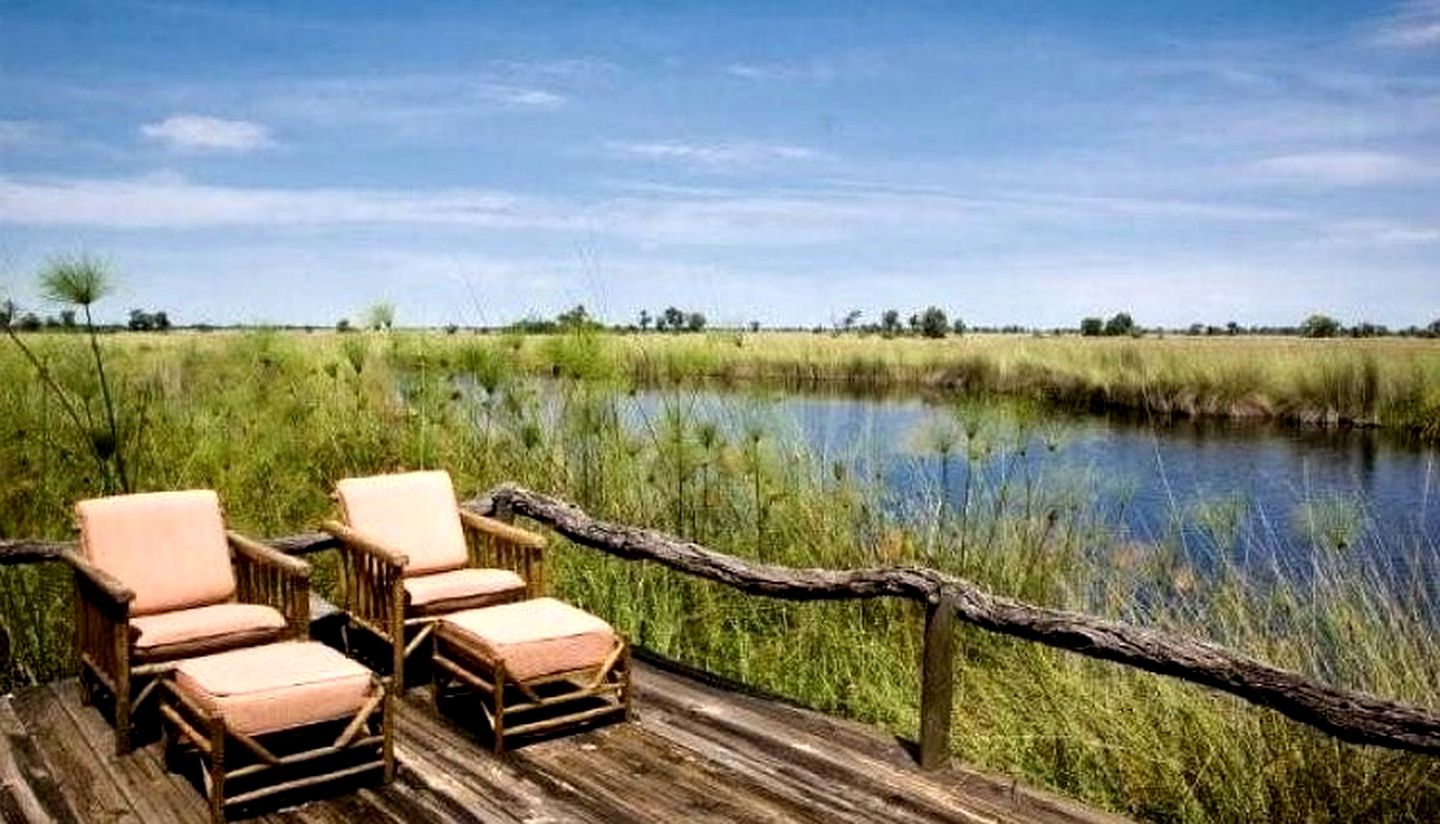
[1263, 494]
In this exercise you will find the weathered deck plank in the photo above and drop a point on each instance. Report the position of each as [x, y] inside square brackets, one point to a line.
[154, 793]
[91, 789]
[33, 793]
[810, 747]
[696, 752]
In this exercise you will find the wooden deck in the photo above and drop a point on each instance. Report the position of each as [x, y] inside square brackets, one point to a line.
[695, 752]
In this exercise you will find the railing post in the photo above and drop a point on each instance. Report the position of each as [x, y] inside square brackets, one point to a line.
[937, 683]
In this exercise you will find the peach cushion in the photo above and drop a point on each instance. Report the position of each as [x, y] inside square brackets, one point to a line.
[460, 583]
[275, 686]
[534, 638]
[169, 547]
[203, 623]
[413, 512]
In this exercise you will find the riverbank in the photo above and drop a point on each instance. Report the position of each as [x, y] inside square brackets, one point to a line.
[1393, 384]
[270, 420]
[1388, 383]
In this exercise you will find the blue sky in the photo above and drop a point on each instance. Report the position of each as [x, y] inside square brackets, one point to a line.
[1013, 162]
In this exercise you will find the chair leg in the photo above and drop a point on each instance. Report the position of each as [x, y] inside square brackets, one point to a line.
[435, 684]
[86, 699]
[216, 773]
[122, 717]
[397, 667]
[171, 746]
[387, 730]
[121, 646]
[500, 711]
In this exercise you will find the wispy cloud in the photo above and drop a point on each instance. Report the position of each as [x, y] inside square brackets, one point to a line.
[659, 215]
[191, 132]
[1347, 168]
[519, 96]
[782, 72]
[1415, 24]
[1381, 233]
[566, 68]
[410, 105]
[724, 154]
[170, 202]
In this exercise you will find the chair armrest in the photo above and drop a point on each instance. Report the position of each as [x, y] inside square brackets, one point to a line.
[264, 575]
[268, 555]
[512, 548]
[354, 540]
[116, 596]
[502, 530]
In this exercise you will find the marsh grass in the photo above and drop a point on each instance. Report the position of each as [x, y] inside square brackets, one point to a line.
[271, 420]
[1394, 383]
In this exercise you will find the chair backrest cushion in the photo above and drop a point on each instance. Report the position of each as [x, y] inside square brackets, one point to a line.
[169, 547]
[411, 512]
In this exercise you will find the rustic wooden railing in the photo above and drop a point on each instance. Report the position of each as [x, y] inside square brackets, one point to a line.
[1347, 714]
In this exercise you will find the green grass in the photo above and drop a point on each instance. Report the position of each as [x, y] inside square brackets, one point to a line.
[272, 420]
[1393, 383]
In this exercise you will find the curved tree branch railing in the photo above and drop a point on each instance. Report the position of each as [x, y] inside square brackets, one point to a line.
[1346, 714]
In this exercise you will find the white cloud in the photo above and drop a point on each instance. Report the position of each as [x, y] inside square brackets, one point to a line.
[782, 72]
[742, 154]
[524, 97]
[1414, 24]
[198, 132]
[1346, 168]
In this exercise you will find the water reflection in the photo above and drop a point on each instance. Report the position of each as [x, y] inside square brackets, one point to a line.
[1213, 486]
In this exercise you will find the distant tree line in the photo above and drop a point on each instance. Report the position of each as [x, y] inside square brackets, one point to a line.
[1118, 325]
[142, 321]
[1313, 326]
[65, 321]
[673, 319]
[930, 322]
[1321, 326]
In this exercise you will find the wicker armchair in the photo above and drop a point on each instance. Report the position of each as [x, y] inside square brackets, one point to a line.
[411, 555]
[158, 579]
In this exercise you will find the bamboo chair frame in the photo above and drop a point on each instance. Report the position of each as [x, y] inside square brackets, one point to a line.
[486, 677]
[194, 729]
[373, 578]
[263, 575]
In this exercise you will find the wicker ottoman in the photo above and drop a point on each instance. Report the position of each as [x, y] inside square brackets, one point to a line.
[537, 665]
[279, 717]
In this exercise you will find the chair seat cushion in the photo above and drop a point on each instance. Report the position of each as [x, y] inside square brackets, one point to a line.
[533, 638]
[461, 589]
[275, 686]
[203, 630]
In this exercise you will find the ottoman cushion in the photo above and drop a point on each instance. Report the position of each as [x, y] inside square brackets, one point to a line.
[533, 638]
[276, 686]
